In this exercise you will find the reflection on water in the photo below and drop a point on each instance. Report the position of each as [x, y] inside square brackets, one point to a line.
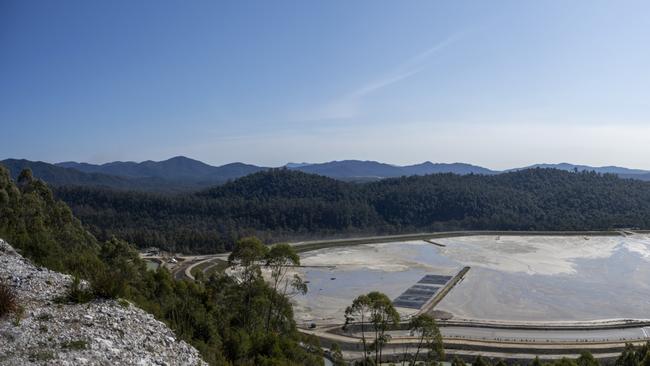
[512, 278]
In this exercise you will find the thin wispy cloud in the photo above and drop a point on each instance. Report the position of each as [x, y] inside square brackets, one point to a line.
[407, 69]
[347, 105]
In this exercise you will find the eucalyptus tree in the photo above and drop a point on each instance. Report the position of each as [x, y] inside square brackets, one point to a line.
[279, 259]
[429, 337]
[457, 362]
[587, 359]
[336, 355]
[359, 312]
[376, 309]
[248, 254]
[383, 316]
[631, 355]
[564, 361]
[646, 359]
[481, 361]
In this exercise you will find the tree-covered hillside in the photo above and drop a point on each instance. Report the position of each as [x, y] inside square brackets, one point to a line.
[230, 323]
[281, 204]
[251, 322]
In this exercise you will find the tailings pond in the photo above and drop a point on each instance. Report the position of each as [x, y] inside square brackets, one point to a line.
[512, 278]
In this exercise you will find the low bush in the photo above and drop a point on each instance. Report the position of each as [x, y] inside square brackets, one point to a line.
[44, 317]
[107, 284]
[76, 294]
[8, 300]
[123, 303]
[75, 345]
[41, 356]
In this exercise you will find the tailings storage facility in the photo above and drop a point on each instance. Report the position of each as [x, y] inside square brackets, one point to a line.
[512, 278]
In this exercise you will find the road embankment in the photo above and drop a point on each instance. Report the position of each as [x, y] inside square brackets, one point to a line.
[306, 246]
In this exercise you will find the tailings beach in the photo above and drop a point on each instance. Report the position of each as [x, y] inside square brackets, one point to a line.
[512, 278]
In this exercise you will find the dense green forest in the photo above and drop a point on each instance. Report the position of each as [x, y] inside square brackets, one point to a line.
[280, 204]
[230, 323]
[248, 322]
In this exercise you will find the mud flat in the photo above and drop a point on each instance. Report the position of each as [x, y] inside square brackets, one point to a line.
[512, 278]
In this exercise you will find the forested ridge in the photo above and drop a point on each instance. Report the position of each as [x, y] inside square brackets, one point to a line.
[230, 323]
[251, 322]
[281, 204]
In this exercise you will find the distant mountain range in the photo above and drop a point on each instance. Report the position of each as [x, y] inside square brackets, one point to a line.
[621, 172]
[181, 173]
[179, 169]
[356, 169]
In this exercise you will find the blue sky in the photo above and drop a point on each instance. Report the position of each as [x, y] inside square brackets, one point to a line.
[494, 83]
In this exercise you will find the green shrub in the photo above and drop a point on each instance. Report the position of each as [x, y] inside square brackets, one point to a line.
[76, 294]
[123, 303]
[8, 300]
[18, 315]
[41, 356]
[107, 285]
[75, 345]
[44, 317]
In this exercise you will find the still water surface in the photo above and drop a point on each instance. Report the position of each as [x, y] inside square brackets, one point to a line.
[515, 278]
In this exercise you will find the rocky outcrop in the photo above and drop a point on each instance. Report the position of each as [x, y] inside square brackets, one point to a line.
[101, 332]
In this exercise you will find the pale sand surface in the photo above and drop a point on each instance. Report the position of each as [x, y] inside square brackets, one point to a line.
[514, 278]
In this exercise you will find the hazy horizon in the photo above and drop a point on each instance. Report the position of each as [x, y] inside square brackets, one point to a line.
[334, 160]
[500, 85]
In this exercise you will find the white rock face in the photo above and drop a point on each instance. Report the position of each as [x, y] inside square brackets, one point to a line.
[97, 333]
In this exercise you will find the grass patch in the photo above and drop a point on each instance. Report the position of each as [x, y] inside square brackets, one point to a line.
[77, 345]
[75, 294]
[123, 303]
[19, 313]
[44, 317]
[41, 356]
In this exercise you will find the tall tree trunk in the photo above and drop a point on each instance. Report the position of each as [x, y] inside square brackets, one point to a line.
[269, 312]
[406, 351]
[381, 346]
[417, 353]
[271, 305]
[376, 346]
[284, 294]
[363, 339]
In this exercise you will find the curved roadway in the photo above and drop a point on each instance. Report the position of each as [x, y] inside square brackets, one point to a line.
[537, 335]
